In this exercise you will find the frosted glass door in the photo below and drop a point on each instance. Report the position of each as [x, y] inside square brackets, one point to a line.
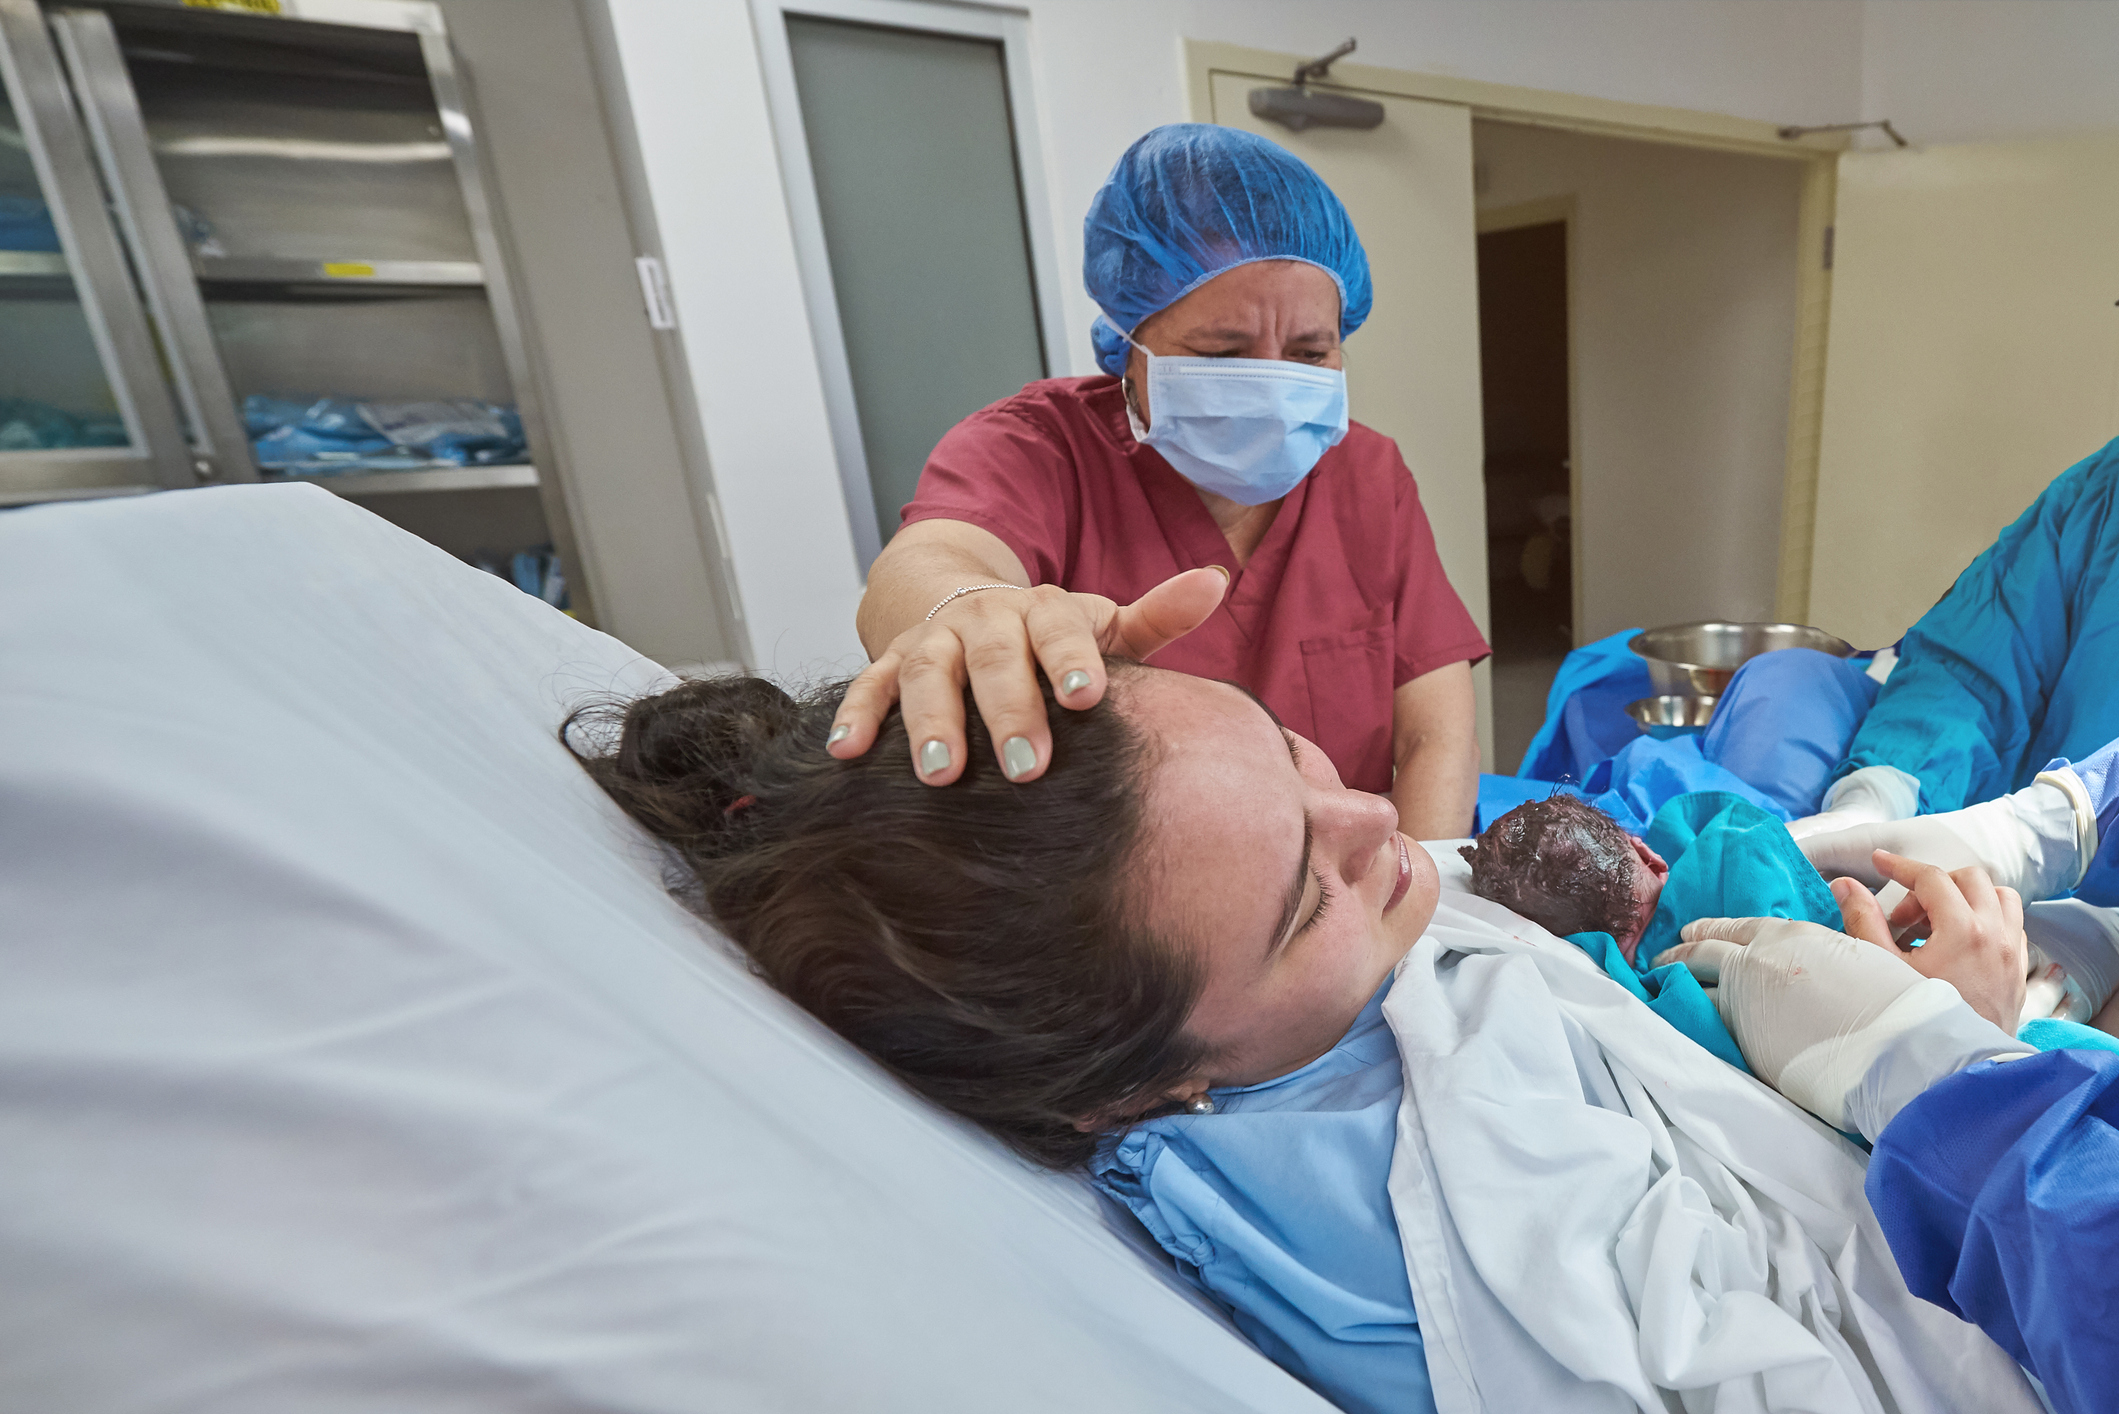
[913, 154]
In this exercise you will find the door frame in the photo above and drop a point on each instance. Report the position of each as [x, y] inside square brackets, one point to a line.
[1546, 211]
[1642, 122]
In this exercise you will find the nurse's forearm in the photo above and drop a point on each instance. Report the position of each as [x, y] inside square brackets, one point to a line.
[923, 563]
[1435, 742]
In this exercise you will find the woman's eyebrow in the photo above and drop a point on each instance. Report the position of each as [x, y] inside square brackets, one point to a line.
[1301, 882]
[1271, 715]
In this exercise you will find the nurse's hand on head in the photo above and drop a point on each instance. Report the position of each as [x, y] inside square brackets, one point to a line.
[999, 640]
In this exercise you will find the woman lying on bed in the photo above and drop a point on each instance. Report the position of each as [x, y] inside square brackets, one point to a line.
[1166, 962]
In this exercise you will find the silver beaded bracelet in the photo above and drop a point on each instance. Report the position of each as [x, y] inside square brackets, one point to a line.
[955, 594]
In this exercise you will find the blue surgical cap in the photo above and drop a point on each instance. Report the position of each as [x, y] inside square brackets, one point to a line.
[1191, 200]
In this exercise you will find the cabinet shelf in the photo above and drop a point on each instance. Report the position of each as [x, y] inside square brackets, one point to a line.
[270, 270]
[355, 484]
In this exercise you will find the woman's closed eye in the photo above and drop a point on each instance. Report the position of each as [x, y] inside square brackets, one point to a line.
[1324, 903]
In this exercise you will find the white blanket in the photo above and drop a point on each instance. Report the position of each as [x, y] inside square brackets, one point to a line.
[1598, 1215]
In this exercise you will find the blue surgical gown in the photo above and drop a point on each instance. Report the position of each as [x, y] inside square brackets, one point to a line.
[2099, 773]
[1998, 1190]
[2017, 663]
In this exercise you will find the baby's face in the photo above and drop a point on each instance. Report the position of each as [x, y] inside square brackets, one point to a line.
[1649, 872]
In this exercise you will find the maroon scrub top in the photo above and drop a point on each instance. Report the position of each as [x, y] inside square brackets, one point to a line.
[1343, 600]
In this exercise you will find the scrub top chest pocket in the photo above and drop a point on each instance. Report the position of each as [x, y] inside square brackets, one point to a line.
[1350, 687]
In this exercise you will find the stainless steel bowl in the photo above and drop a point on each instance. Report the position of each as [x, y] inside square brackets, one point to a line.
[1666, 717]
[1697, 660]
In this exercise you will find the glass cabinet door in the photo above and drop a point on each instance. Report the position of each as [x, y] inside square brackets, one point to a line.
[83, 408]
[312, 241]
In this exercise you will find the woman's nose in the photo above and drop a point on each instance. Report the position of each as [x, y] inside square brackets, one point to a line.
[1360, 824]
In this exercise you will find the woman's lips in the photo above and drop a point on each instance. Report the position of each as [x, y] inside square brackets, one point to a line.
[1405, 874]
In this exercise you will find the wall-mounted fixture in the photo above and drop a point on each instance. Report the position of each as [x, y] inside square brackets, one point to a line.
[1791, 133]
[1297, 108]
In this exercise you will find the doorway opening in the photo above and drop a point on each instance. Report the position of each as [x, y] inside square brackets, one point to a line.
[1638, 319]
[1523, 379]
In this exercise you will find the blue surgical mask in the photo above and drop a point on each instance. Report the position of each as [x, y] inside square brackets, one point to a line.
[1246, 428]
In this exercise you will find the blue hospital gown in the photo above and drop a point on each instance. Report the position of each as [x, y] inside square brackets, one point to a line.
[1276, 1204]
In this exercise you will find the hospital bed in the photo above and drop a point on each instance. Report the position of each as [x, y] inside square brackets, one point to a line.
[353, 1054]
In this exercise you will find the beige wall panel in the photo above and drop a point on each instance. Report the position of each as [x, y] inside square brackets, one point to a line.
[1973, 356]
[1412, 371]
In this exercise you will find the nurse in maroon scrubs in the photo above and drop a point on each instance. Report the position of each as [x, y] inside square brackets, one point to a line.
[1207, 501]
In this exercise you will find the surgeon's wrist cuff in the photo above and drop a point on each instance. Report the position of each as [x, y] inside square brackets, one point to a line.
[1928, 1034]
[1873, 795]
[2070, 785]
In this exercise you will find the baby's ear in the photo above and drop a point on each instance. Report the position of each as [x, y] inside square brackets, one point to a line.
[1649, 857]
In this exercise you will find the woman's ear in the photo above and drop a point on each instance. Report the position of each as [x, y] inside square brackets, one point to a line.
[1189, 1093]
[1185, 1092]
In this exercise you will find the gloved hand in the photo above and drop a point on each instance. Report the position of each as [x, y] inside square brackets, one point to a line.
[2038, 841]
[1850, 1028]
[1815, 1011]
[1869, 796]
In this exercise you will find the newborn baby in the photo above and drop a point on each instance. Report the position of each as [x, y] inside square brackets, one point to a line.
[1569, 868]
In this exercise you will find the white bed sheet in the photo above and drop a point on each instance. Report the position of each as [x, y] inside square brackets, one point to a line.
[353, 1057]
[1596, 1212]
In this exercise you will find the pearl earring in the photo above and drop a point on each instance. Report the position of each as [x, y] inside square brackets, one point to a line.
[1200, 1105]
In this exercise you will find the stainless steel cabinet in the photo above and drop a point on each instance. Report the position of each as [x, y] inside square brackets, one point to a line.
[249, 213]
[84, 408]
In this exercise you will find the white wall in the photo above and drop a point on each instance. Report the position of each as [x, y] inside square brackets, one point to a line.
[1108, 70]
[1683, 273]
[1951, 71]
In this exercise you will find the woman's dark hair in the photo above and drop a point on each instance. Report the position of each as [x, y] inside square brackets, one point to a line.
[978, 939]
[1560, 862]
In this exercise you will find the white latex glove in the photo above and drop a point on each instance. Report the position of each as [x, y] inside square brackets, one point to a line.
[1842, 1027]
[2038, 841]
[1869, 796]
[2083, 940]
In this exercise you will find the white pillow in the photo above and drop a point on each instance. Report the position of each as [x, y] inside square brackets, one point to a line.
[352, 1055]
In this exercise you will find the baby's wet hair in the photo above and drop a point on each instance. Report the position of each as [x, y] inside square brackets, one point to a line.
[1560, 862]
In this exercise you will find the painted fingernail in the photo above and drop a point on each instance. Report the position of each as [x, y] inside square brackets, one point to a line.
[934, 757]
[1018, 757]
[838, 734]
[1074, 682]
